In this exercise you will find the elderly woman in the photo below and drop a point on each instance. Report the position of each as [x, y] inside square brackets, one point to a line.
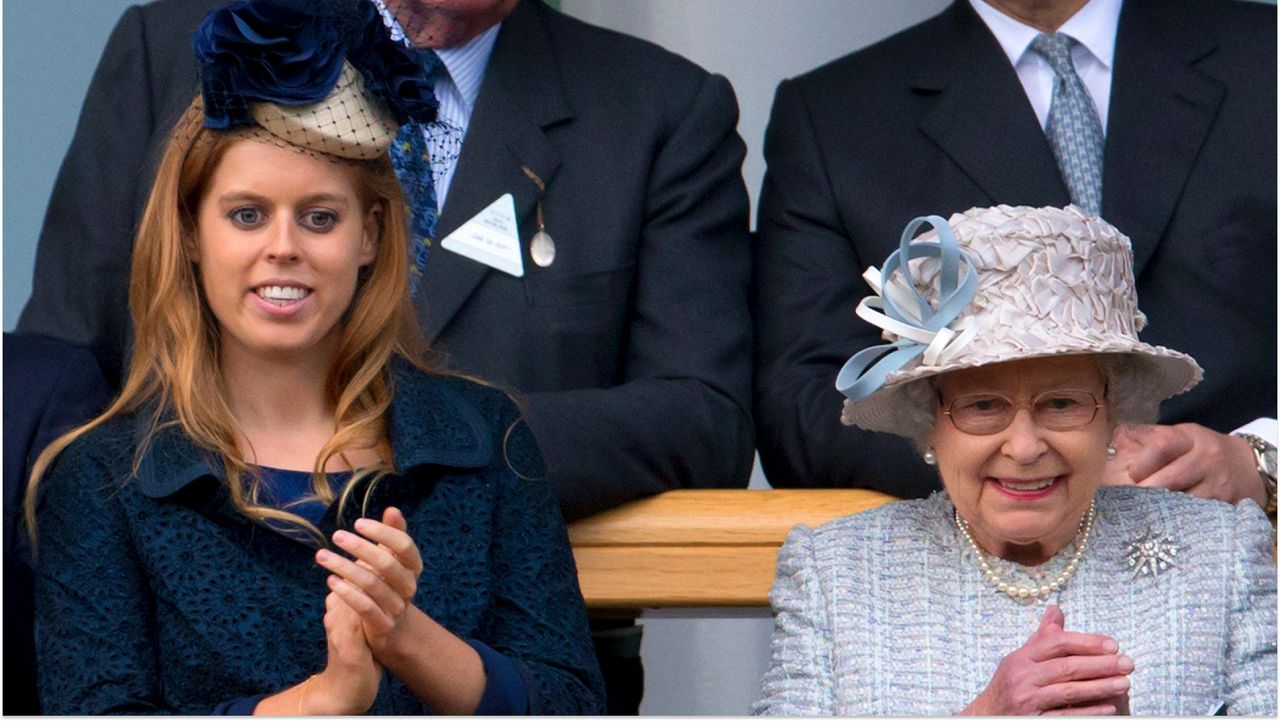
[1023, 588]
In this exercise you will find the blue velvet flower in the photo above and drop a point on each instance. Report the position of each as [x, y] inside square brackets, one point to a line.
[402, 77]
[260, 51]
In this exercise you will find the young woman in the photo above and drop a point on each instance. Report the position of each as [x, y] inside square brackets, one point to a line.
[286, 511]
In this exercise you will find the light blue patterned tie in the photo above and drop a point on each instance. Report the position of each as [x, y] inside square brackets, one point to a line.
[1074, 131]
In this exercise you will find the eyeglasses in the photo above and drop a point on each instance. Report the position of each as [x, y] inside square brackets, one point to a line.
[982, 414]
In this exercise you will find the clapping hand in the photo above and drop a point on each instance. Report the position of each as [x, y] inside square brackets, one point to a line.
[378, 587]
[349, 682]
[380, 584]
[1057, 672]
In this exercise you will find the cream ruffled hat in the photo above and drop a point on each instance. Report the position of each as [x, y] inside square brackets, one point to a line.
[991, 285]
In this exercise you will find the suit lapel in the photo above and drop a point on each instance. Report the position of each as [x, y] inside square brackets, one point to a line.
[1161, 111]
[520, 96]
[981, 117]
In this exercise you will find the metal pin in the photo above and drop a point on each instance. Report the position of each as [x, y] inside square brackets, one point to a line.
[542, 249]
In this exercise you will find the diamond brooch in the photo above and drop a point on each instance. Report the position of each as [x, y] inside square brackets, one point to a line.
[1151, 554]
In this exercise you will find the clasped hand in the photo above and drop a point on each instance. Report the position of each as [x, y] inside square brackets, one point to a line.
[381, 583]
[1057, 672]
[370, 603]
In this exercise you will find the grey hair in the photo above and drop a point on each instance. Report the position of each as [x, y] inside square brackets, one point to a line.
[918, 411]
[1128, 396]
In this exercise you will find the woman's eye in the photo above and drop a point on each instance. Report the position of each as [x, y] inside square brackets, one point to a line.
[1060, 403]
[320, 220]
[246, 217]
[984, 405]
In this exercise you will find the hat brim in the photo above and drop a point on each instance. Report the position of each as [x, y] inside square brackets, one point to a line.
[1166, 373]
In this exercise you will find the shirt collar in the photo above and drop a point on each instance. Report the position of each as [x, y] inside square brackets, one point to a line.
[1093, 26]
[465, 63]
[430, 424]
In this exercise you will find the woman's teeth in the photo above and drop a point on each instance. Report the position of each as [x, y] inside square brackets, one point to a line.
[282, 294]
[1026, 485]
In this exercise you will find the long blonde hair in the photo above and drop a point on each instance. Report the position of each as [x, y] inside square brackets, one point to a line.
[174, 366]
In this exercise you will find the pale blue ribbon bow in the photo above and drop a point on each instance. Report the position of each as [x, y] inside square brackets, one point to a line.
[898, 307]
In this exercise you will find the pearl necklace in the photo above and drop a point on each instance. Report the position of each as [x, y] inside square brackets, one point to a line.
[1034, 592]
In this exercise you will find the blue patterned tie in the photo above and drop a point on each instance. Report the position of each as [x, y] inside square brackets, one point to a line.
[412, 164]
[1074, 131]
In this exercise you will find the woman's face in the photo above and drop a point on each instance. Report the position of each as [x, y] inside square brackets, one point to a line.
[1022, 489]
[280, 239]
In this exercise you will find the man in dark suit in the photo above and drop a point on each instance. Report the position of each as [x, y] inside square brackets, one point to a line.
[942, 117]
[630, 351]
[49, 388]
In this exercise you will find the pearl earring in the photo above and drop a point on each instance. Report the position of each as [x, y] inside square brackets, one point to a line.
[1111, 453]
[930, 457]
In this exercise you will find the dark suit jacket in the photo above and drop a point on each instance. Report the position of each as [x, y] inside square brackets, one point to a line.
[48, 389]
[631, 353]
[935, 121]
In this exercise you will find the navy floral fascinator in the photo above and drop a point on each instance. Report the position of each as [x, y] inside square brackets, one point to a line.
[324, 75]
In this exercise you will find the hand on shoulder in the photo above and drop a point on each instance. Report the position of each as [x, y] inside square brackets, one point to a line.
[1186, 457]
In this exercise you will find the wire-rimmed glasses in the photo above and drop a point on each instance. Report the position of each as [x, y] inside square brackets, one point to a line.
[982, 414]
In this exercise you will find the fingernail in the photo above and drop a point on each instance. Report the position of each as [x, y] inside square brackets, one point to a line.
[1126, 664]
[1110, 646]
[323, 555]
[363, 524]
[342, 537]
[1120, 685]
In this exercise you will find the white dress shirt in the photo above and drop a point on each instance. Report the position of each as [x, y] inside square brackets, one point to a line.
[456, 92]
[1093, 27]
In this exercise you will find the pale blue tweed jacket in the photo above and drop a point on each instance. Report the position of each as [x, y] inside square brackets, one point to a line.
[886, 612]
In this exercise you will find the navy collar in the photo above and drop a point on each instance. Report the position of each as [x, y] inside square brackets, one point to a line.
[431, 424]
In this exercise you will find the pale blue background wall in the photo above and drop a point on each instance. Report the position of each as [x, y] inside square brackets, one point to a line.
[50, 50]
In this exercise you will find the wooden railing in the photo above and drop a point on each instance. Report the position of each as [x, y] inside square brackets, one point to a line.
[698, 548]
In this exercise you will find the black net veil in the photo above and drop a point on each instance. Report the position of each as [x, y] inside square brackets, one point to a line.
[424, 25]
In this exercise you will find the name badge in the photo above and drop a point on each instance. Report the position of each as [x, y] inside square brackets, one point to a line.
[491, 237]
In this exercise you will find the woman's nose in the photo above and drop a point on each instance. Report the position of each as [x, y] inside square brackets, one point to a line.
[1023, 441]
[282, 245]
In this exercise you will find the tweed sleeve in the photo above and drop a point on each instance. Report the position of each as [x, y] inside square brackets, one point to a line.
[799, 681]
[1251, 652]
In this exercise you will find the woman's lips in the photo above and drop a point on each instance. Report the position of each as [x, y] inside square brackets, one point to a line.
[1025, 489]
[281, 307]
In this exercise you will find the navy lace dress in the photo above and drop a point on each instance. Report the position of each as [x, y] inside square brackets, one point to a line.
[154, 595]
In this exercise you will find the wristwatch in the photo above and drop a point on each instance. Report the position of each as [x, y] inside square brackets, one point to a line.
[1265, 454]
